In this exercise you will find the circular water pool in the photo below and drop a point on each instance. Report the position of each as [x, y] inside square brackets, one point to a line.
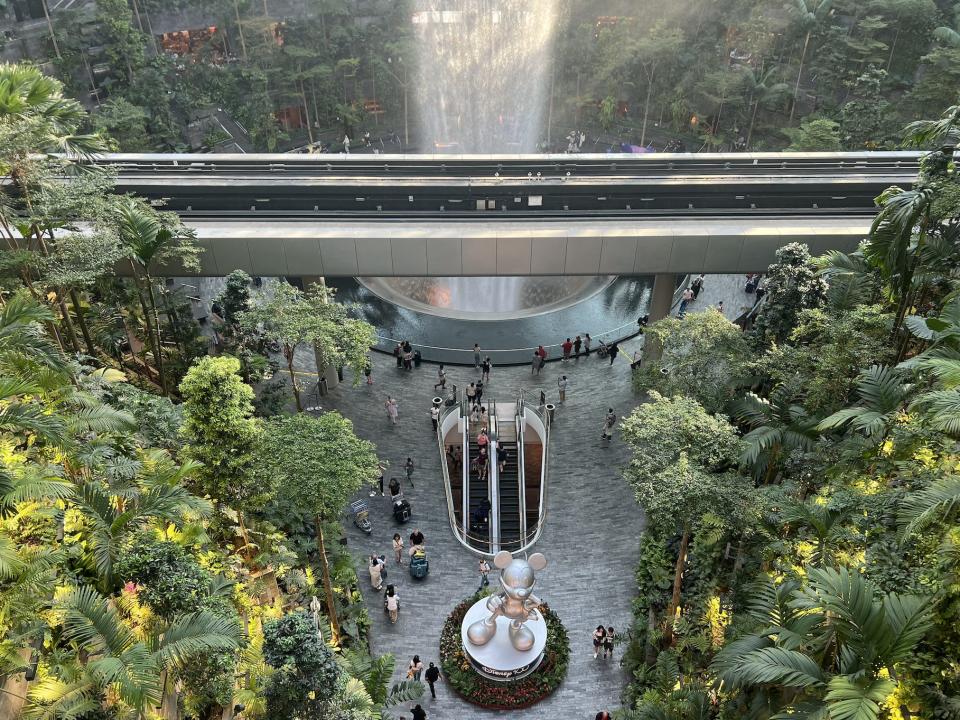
[486, 298]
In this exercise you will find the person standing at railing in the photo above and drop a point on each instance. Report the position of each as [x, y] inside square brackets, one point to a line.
[567, 348]
[577, 344]
[586, 344]
[476, 355]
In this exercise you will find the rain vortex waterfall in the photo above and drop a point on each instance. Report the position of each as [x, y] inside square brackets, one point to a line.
[484, 73]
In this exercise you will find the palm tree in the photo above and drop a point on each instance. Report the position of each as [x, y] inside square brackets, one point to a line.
[374, 675]
[35, 102]
[827, 648]
[949, 35]
[777, 427]
[938, 502]
[150, 239]
[883, 395]
[110, 519]
[826, 525]
[763, 91]
[809, 13]
[133, 664]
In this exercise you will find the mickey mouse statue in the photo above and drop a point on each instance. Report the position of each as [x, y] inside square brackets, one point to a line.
[514, 601]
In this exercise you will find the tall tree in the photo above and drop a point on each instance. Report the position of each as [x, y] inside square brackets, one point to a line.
[292, 318]
[809, 14]
[317, 464]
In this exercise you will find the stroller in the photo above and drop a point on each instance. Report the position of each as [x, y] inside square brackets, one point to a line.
[401, 508]
[419, 565]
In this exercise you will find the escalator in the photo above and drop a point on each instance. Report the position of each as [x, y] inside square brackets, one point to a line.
[509, 497]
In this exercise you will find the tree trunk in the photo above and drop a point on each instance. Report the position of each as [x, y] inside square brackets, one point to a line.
[306, 109]
[155, 319]
[327, 585]
[650, 652]
[753, 120]
[68, 324]
[646, 111]
[288, 353]
[53, 35]
[677, 584]
[796, 88]
[243, 42]
[893, 45]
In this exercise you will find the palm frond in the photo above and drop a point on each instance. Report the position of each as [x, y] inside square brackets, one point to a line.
[938, 501]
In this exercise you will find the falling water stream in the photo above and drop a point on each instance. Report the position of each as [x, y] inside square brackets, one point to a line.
[484, 70]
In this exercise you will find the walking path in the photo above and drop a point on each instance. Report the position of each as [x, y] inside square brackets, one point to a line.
[590, 538]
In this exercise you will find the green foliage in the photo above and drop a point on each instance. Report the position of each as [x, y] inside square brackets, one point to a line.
[316, 463]
[662, 431]
[221, 432]
[815, 135]
[793, 285]
[306, 673]
[168, 579]
[702, 356]
[235, 298]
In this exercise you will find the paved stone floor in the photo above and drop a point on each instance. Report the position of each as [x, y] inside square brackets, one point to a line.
[590, 537]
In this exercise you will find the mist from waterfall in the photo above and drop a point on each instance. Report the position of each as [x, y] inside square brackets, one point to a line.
[484, 73]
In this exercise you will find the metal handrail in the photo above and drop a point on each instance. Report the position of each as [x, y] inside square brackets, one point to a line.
[521, 472]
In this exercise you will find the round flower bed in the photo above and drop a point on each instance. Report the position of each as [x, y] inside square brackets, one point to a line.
[514, 694]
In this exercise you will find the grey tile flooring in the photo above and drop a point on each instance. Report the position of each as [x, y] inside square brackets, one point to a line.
[590, 538]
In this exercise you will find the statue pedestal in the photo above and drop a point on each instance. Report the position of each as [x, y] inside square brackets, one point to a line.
[498, 659]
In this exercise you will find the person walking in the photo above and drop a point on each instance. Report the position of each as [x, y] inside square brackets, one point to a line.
[720, 307]
[542, 352]
[409, 467]
[687, 299]
[535, 363]
[485, 370]
[567, 349]
[415, 669]
[479, 392]
[608, 423]
[476, 355]
[380, 468]
[484, 571]
[416, 540]
[433, 676]
[613, 351]
[376, 572]
[577, 344]
[608, 641]
[471, 394]
[441, 378]
[697, 285]
[562, 386]
[346, 144]
[368, 371]
[586, 344]
[598, 635]
[393, 603]
[398, 548]
[393, 412]
[435, 417]
[418, 713]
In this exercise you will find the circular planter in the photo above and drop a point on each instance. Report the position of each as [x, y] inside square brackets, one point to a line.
[498, 695]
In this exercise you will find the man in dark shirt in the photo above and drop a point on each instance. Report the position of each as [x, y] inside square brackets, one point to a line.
[433, 675]
[419, 713]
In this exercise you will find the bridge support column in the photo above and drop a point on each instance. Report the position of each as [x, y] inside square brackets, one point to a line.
[661, 298]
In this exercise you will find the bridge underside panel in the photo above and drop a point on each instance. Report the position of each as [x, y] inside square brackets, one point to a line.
[294, 248]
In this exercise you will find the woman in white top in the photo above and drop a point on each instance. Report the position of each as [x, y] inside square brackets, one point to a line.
[393, 604]
[398, 547]
[376, 572]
